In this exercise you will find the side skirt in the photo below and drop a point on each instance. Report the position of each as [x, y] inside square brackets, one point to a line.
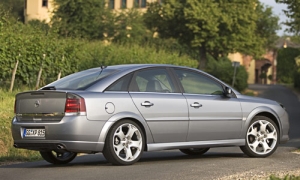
[195, 144]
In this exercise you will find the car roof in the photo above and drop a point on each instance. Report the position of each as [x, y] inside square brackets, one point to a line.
[138, 66]
[127, 68]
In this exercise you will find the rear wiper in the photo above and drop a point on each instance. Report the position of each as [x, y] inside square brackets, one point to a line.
[49, 88]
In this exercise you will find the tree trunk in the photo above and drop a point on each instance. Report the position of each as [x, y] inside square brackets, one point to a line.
[202, 58]
[13, 77]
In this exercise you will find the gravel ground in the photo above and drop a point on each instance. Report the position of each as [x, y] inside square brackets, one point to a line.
[262, 175]
[249, 175]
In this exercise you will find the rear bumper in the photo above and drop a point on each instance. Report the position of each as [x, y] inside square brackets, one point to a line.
[79, 147]
[72, 133]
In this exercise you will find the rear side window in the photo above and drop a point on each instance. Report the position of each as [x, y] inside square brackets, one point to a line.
[82, 80]
[121, 84]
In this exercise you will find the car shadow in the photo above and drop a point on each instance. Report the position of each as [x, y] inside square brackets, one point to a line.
[147, 157]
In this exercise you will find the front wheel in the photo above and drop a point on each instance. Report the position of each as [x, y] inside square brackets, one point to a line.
[124, 143]
[58, 157]
[262, 137]
[194, 151]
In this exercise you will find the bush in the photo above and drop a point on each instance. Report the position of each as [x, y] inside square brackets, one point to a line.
[223, 69]
[94, 54]
[286, 67]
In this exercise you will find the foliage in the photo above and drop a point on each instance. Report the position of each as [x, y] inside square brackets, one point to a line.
[287, 177]
[7, 151]
[16, 8]
[293, 13]
[223, 69]
[267, 25]
[286, 65]
[28, 43]
[94, 54]
[83, 19]
[130, 27]
[215, 27]
[31, 58]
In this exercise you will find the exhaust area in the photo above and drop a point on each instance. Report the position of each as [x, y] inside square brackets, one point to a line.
[60, 147]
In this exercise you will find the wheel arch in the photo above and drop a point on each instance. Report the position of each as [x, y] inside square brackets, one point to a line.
[262, 111]
[128, 116]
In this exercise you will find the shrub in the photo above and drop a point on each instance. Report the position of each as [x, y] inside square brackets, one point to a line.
[223, 69]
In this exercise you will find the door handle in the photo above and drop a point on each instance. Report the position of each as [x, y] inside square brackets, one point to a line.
[147, 103]
[196, 105]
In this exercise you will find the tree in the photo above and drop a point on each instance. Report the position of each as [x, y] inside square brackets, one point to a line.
[16, 8]
[266, 25]
[83, 18]
[216, 27]
[287, 67]
[130, 27]
[293, 13]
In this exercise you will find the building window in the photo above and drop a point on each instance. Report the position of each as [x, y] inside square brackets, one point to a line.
[44, 3]
[143, 3]
[140, 3]
[123, 4]
[136, 3]
[25, 4]
[112, 4]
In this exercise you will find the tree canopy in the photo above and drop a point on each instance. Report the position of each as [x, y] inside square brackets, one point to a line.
[267, 25]
[82, 18]
[216, 27]
[15, 7]
[293, 13]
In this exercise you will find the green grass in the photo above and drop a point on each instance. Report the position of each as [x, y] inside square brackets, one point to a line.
[7, 151]
[287, 177]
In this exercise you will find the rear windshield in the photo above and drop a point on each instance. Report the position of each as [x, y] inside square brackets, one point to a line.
[81, 80]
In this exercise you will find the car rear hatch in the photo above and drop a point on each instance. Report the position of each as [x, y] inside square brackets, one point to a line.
[47, 105]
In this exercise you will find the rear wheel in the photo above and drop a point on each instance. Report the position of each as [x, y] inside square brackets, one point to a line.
[194, 151]
[124, 143]
[58, 157]
[261, 138]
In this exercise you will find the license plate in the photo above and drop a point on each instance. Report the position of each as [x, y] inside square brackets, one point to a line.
[34, 132]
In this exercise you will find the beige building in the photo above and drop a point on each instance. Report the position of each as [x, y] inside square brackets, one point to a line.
[248, 62]
[38, 9]
[42, 9]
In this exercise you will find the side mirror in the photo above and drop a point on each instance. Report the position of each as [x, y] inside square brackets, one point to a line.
[228, 91]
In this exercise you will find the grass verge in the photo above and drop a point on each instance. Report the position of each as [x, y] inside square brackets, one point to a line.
[7, 151]
[287, 177]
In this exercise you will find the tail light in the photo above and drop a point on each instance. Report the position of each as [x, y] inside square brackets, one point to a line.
[75, 105]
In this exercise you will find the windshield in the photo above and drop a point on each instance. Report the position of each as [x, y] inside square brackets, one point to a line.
[81, 80]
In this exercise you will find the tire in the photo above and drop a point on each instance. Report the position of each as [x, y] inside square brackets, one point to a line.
[124, 143]
[261, 138]
[194, 151]
[58, 158]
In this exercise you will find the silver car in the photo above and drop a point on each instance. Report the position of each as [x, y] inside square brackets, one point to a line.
[124, 110]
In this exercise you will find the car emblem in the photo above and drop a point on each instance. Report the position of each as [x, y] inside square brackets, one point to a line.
[37, 103]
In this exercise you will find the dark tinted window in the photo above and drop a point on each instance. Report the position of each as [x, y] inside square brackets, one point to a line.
[111, 4]
[197, 83]
[143, 3]
[82, 80]
[123, 4]
[120, 85]
[152, 80]
[45, 3]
